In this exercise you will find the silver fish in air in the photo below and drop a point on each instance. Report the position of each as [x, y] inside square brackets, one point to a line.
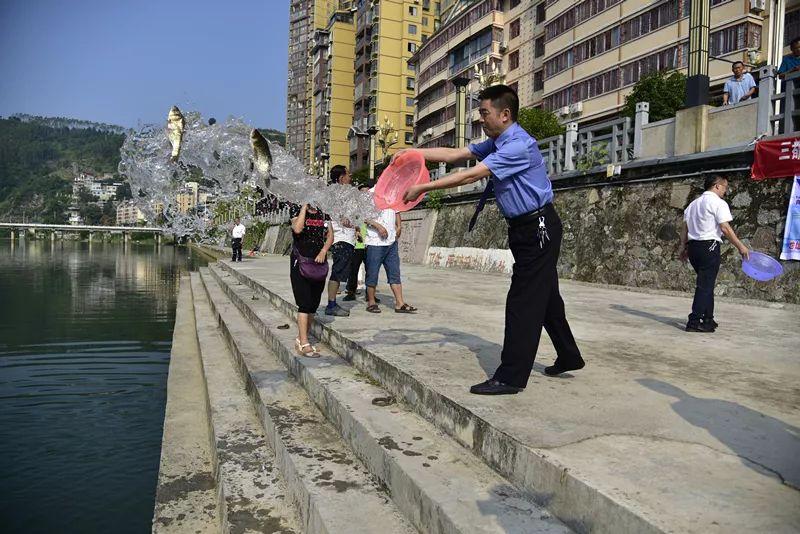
[175, 127]
[262, 157]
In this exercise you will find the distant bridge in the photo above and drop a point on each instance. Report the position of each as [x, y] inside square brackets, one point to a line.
[126, 231]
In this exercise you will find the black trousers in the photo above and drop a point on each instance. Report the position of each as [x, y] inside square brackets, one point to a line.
[534, 301]
[236, 244]
[359, 256]
[705, 259]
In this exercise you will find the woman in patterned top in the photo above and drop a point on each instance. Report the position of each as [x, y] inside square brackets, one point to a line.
[312, 237]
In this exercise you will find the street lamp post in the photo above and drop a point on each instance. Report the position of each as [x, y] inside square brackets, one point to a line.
[372, 131]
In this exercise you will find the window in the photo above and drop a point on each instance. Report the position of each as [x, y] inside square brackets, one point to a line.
[540, 12]
[412, 10]
[412, 47]
[538, 80]
[538, 47]
[410, 101]
[412, 67]
[424, 21]
[409, 120]
[514, 86]
[409, 138]
[412, 29]
[409, 83]
[513, 60]
[513, 29]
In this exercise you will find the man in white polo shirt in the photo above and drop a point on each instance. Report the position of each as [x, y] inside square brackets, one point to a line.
[706, 220]
[237, 234]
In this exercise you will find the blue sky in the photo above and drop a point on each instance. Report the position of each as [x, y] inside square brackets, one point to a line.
[124, 61]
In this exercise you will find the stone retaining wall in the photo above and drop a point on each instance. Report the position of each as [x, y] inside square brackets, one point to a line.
[628, 235]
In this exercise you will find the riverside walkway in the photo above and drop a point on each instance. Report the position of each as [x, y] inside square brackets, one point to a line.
[663, 431]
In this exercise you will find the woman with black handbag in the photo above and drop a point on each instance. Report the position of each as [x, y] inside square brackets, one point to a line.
[312, 236]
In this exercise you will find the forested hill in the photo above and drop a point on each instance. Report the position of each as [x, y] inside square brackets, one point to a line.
[39, 157]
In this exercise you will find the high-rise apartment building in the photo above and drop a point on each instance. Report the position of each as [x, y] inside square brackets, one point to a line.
[471, 34]
[388, 33]
[348, 71]
[301, 29]
[578, 58]
[333, 54]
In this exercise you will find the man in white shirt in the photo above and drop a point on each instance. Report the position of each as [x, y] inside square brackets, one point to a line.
[706, 220]
[237, 234]
[344, 240]
[382, 249]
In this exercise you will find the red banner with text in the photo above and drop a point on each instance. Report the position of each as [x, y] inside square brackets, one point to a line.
[776, 158]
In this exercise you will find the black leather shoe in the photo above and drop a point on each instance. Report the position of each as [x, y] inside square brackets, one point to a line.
[557, 368]
[699, 327]
[494, 387]
[349, 297]
[711, 322]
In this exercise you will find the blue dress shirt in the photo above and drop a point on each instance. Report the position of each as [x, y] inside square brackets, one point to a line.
[518, 174]
[789, 62]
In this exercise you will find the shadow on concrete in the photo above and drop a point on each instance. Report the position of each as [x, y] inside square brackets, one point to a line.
[669, 321]
[765, 444]
[486, 352]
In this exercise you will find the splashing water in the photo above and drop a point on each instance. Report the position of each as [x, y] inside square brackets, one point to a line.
[220, 158]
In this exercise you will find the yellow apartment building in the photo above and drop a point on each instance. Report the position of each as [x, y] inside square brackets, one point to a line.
[332, 60]
[348, 70]
[388, 33]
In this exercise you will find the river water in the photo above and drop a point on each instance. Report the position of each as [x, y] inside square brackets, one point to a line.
[85, 336]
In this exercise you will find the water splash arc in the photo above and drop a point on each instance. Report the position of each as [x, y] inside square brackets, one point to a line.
[218, 156]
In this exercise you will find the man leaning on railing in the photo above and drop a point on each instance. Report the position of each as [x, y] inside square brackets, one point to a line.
[791, 62]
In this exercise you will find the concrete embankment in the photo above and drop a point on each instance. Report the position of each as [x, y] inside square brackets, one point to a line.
[664, 431]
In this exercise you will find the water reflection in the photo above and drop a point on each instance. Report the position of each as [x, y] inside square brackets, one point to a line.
[85, 334]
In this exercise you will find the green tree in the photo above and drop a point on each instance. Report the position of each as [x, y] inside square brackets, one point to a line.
[665, 91]
[91, 213]
[361, 176]
[539, 123]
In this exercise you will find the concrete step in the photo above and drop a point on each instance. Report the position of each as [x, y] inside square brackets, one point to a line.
[439, 485]
[252, 493]
[186, 494]
[564, 491]
[334, 492]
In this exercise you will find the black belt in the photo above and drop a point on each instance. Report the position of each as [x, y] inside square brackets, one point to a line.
[531, 216]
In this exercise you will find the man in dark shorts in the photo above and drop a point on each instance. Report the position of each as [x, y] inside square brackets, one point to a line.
[344, 240]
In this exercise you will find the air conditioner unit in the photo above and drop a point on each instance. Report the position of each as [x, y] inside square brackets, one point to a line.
[758, 6]
[577, 107]
[564, 111]
[504, 47]
[428, 132]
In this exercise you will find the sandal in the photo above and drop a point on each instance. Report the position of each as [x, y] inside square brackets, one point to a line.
[301, 349]
[405, 308]
[374, 308]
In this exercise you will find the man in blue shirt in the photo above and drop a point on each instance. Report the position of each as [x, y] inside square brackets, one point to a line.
[511, 158]
[740, 86]
[791, 62]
